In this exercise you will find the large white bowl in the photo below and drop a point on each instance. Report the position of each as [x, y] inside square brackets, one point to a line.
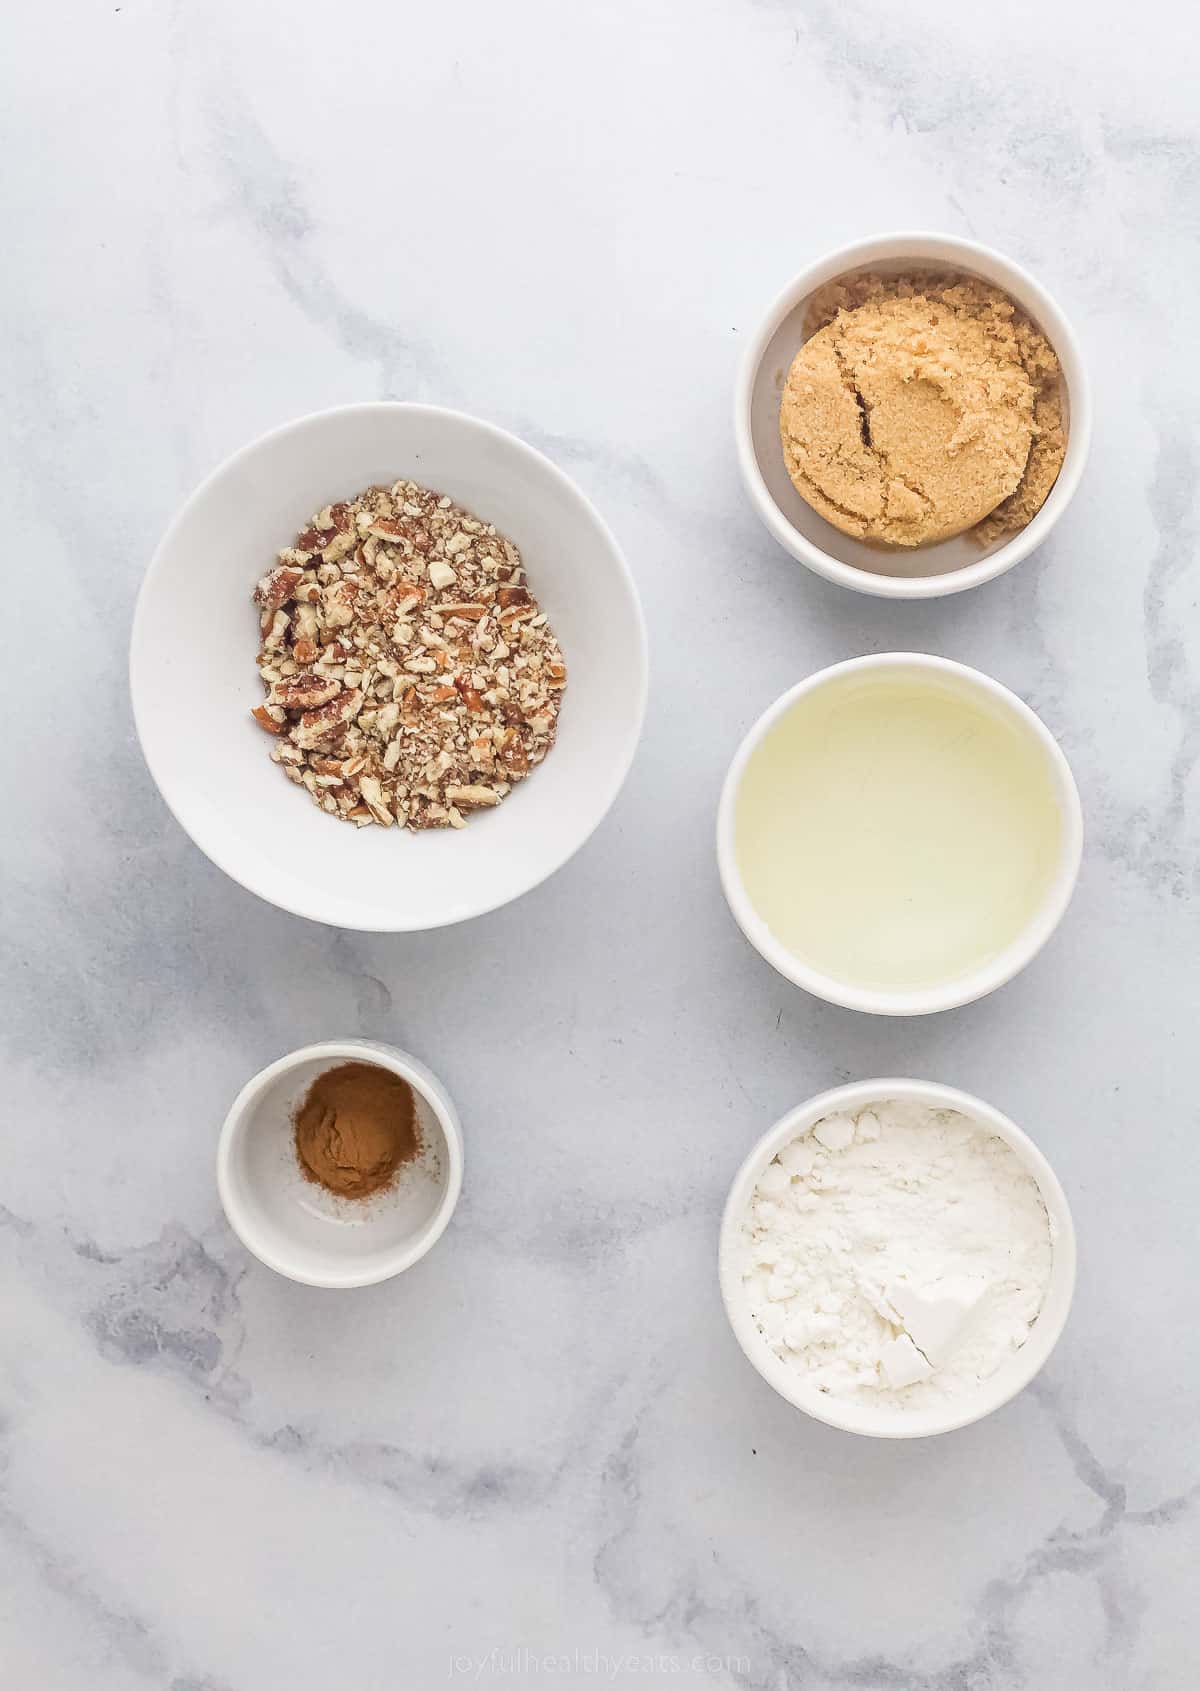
[876, 1420]
[194, 682]
[922, 572]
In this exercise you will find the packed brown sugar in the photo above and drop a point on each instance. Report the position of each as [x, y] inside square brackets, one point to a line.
[921, 407]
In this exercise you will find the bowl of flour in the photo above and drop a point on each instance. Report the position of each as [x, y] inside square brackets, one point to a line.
[897, 1258]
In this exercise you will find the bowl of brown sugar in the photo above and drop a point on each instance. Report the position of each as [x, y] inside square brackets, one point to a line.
[340, 1164]
[913, 416]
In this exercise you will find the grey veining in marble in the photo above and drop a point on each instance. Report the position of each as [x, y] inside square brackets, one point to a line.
[542, 1441]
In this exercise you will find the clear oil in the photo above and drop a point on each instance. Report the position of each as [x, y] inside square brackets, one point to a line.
[897, 831]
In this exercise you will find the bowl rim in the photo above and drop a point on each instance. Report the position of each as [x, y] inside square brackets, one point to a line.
[421, 1079]
[939, 248]
[963, 989]
[198, 833]
[848, 1416]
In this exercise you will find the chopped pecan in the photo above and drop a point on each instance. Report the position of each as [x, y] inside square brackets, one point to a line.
[513, 754]
[340, 600]
[277, 587]
[322, 726]
[391, 699]
[470, 696]
[473, 798]
[304, 692]
[375, 802]
[515, 614]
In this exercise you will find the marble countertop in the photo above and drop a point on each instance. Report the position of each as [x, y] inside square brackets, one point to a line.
[542, 1442]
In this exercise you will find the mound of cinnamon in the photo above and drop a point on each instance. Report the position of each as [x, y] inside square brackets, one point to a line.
[355, 1128]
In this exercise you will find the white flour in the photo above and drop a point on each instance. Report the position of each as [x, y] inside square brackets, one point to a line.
[896, 1257]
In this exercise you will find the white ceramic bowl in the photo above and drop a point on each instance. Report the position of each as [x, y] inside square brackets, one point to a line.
[962, 989]
[294, 1225]
[879, 1422]
[193, 677]
[927, 571]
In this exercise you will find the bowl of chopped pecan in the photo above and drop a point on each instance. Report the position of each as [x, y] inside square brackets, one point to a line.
[426, 629]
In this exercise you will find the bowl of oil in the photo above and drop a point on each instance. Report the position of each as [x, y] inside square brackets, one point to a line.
[899, 834]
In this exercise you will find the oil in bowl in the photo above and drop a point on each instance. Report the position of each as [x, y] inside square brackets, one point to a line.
[899, 834]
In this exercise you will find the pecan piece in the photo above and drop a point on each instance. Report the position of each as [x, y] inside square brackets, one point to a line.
[388, 529]
[304, 692]
[469, 694]
[323, 725]
[515, 614]
[396, 603]
[513, 754]
[277, 587]
[275, 625]
[375, 802]
[338, 546]
[339, 600]
[472, 798]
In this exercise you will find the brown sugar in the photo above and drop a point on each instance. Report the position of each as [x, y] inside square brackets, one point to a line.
[1046, 455]
[920, 407]
[355, 1126]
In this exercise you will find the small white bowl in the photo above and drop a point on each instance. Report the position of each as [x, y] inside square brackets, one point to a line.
[925, 572]
[298, 1228]
[194, 681]
[878, 1422]
[964, 988]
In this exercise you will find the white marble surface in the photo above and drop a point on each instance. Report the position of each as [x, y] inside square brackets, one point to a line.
[566, 218]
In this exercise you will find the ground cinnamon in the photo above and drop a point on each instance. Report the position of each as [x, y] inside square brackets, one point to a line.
[355, 1127]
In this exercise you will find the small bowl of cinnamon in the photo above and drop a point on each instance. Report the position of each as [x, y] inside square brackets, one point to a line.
[340, 1164]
